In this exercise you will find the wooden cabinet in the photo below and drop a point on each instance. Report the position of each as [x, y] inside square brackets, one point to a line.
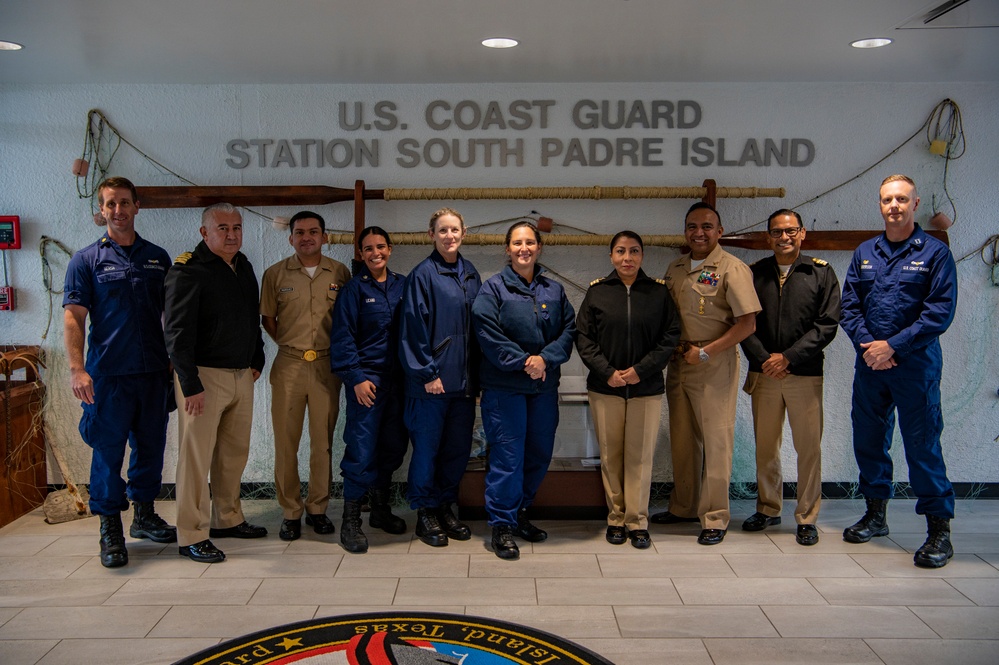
[23, 482]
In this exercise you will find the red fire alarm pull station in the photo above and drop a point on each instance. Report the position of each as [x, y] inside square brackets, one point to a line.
[10, 238]
[10, 232]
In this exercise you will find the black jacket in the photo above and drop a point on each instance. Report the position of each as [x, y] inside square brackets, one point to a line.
[211, 316]
[617, 330]
[799, 319]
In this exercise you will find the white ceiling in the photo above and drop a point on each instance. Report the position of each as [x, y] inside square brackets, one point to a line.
[438, 41]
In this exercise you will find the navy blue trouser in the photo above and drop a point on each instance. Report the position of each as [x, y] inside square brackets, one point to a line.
[441, 430]
[876, 397]
[375, 441]
[520, 430]
[129, 408]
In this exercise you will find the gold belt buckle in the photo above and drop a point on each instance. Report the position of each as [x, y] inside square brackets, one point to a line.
[309, 356]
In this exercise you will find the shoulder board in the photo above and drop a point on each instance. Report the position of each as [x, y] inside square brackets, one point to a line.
[661, 281]
[819, 262]
[183, 258]
[597, 281]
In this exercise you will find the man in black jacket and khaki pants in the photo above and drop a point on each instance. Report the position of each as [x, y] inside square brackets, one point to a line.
[800, 299]
[213, 337]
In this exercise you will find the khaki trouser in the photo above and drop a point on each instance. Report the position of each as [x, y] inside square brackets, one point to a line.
[295, 385]
[801, 398]
[215, 446]
[627, 431]
[702, 400]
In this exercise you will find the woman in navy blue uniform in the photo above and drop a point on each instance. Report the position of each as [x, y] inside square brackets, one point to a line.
[439, 357]
[365, 334]
[525, 326]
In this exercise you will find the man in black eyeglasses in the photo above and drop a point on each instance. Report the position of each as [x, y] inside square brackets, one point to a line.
[801, 308]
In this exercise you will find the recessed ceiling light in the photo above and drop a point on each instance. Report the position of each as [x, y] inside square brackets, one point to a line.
[876, 42]
[10, 46]
[499, 42]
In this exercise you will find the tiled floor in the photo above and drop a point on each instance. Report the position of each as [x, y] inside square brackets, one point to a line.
[755, 598]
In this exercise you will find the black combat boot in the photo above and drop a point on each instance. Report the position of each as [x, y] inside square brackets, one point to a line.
[937, 550]
[113, 552]
[147, 524]
[452, 526]
[503, 543]
[351, 536]
[381, 516]
[874, 523]
[528, 531]
[428, 528]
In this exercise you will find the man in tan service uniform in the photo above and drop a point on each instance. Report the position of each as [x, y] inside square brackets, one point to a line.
[714, 292]
[296, 309]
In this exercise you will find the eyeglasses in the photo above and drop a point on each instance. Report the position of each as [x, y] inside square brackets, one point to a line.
[791, 232]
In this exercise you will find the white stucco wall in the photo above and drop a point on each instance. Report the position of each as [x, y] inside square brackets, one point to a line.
[851, 125]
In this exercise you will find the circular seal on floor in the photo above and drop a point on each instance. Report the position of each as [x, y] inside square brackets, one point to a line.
[404, 638]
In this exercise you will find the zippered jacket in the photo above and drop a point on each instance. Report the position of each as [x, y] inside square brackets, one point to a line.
[514, 320]
[211, 316]
[799, 319]
[365, 332]
[620, 328]
[907, 299]
[435, 333]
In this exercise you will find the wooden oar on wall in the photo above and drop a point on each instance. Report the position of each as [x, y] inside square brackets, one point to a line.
[307, 195]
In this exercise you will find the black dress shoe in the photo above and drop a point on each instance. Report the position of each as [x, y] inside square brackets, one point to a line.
[503, 543]
[320, 523]
[711, 536]
[244, 530]
[290, 530]
[640, 539]
[759, 522]
[616, 535]
[203, 552]
[666, 517]
[807, 534]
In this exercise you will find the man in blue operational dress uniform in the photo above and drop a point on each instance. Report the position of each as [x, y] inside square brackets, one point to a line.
[118, 283]
[899, 296]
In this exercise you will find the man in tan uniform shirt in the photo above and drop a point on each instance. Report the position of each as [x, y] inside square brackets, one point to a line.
[718, 304]
[296, 309]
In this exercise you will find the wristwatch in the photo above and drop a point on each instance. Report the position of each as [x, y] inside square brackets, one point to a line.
[703, 355]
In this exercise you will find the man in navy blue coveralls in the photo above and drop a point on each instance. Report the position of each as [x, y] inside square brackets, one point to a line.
[899, 296]
[123, 387]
